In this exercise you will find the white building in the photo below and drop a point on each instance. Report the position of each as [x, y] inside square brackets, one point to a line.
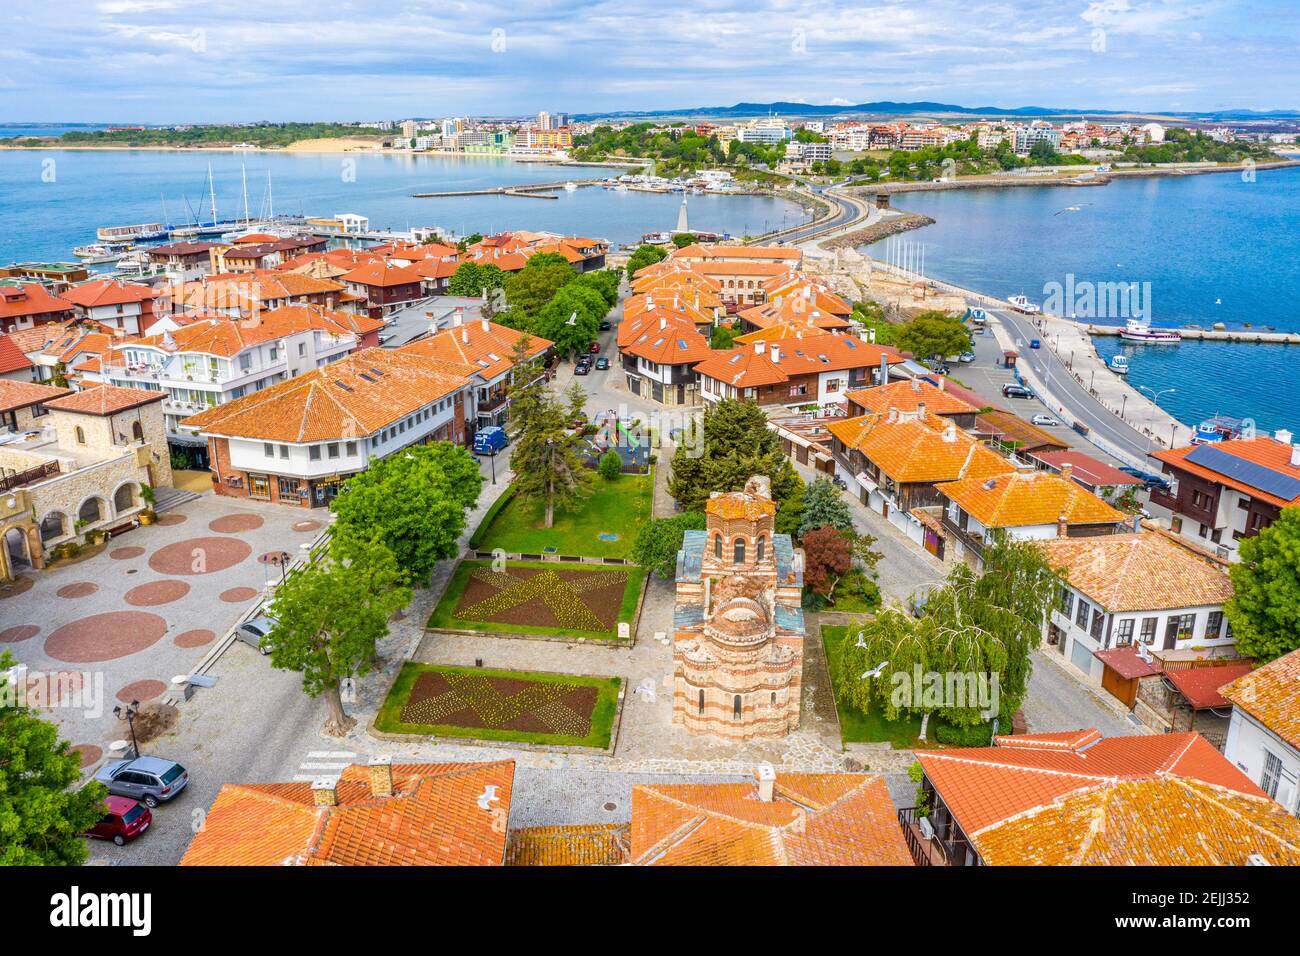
[1036, 132]
[1264, 735]
[768, 132]
[1126, 589]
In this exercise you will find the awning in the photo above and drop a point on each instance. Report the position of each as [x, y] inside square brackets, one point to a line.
[1200, 685]
[1126, 662]
[865, 482]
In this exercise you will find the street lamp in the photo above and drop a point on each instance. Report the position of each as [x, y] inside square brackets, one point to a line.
[493, 460]
[128, 714]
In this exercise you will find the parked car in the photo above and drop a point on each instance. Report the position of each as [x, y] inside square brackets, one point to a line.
[594, 348]
[124, 819]
[582, 368]
[605, 325]
[1035, 344]
[602, 363]
[256, 632]
[152, 780]
[966, 357]
[490, 440]
[1146, 477]
[1012, 390]
[1042, 418]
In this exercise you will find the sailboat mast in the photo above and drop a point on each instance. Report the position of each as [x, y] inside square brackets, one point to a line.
[212, 192]
[243, 173]
[270, 199]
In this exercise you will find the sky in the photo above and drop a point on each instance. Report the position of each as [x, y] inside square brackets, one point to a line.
[173, 61]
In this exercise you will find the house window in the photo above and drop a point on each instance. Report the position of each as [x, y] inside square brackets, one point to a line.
[1214, 626]
[717, 546]
[268, 449]
[288, 488]
[313, 452]
[81, 435]
[1180, 627]
[1272, 774]
[284, 451]
[735, 707]
[137, 433]
[259, 486]
[1081, 618]
[1124, 637]
[1066, 601]
[738, 551]
[762, 546]
[333, 449]
[302, 349]
[1097, 618]
[1148, 635]
[701, 700]
[352, 448]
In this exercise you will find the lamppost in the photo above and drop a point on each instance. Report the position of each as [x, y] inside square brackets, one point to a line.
[493, 460]
[128, 714]
[1123, 404]
[1155, 398]
[279, 559]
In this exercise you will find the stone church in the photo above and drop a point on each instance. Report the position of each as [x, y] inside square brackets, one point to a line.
[738, 624]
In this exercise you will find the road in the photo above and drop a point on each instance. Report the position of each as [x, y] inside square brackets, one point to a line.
[1079, 404]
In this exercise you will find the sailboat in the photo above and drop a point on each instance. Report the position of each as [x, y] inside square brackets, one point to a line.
[214, 226]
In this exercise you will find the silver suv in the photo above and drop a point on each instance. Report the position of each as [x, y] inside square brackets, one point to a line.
[150, 780]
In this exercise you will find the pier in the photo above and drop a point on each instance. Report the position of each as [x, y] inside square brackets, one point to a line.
[1247, 336]
[525, 191]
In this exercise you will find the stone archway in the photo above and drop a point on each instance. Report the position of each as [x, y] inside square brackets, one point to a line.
[20, 549]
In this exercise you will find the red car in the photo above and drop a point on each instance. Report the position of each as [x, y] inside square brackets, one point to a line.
[124, 820]
[595, 347]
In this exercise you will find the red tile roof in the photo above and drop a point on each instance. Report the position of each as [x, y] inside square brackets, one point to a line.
[14, 395]
[18, 301]
[1126, 662]
[752, 366]
[451, 814]
[105, 400]
[1201, 685]
[108, 292]
[1093, 472]
[484, 346]
[12, 358]
[1268, 694]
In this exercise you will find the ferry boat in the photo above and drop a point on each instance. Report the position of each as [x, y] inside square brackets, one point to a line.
[1216, 429]
[1137, 330]
[1118, 364]
[140, 231]
[99, 252]
[1022, 304]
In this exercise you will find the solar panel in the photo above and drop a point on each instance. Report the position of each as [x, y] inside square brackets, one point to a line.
[1257, 476]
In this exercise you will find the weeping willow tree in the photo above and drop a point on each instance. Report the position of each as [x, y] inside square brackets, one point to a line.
[973, 628]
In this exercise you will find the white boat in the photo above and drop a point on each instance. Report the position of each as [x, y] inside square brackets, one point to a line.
[1118, 364]
[1137, 330]
[1022, 304]
[570, 187]
[98, 252]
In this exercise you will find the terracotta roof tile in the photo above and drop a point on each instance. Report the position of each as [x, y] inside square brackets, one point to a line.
[1145, 571]
[105, 400]
[915, 450]
[906, 396]
[99, 292]
[32, 299]
[1266, 451]
[588, 844]
[1028, 498]
[1269, 694]
[489, 351]
[15, 395]
[752, 366]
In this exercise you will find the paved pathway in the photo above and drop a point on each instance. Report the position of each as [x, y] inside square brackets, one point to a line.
[1059, 701]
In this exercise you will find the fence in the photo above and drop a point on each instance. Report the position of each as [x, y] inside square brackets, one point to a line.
[16, 479]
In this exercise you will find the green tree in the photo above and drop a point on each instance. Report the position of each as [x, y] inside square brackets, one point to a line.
[604, 281]
[824, 506]
[575, 399]
[789, 513]
[416, 500]
[42, 811]
[471, 278]
[532, 287]
[871, 315]
[330, 616]
[645, 255]
[611, 465]
[723, 337]
[933, 334]
[546, 463]
[542, 259]
[1264, 610]
[659, 540]
[572, 318]
[683, 239]
[736, 445]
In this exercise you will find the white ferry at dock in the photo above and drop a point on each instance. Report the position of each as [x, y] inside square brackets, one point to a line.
[1137, 330]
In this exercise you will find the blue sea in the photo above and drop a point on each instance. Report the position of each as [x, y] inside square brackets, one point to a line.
[1213, 248]
[53, 200]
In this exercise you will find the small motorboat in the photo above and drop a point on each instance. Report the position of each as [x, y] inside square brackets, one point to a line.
[1022, 304]
[1118, 364]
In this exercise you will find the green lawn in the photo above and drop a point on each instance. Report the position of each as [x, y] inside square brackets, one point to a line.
[388, 720]
[444, 614]
[855, 725]
[618, 507]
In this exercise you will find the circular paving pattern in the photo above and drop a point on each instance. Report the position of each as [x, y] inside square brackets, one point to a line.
[238, 595]
[157, 592]
[233, 524]
[306, 526]
[19, 632]
[105, 637]
[16, 587]
[89, 753]
[196, 638]
[80, 589]
[122, 554]
[141, 690]
[168, 520]
[199, 555]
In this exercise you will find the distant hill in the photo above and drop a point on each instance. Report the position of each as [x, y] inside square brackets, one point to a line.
[892, 108]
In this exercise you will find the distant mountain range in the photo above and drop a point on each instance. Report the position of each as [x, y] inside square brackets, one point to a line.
[892, 108]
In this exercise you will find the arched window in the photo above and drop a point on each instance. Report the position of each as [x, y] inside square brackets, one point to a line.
[717, 546]
[701, 700]
[137, 433]
[735, 707]
[52, 525]
[123, 498]
[90, 510]
[739, 551]
[81, 435]
[773, 698]
[761, 548]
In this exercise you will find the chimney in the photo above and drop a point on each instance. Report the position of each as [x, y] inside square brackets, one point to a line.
[457, 317]
[1067, 470]
[916, 384]
[663, 323]
[766, 782]
[920, 411]
[884, 369]
[758, 347]
[381, 775]
[893, 414]
[1295, 456]
[324, 791]
[1062, 526]
[950, 432]
[1283, 436]
[487, 326]
[942, 382]
[464, 335]
[776, 352]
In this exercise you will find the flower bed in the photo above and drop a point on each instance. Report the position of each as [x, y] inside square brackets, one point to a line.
[523, 706]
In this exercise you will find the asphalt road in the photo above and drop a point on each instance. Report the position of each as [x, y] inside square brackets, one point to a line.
[1081, 405]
